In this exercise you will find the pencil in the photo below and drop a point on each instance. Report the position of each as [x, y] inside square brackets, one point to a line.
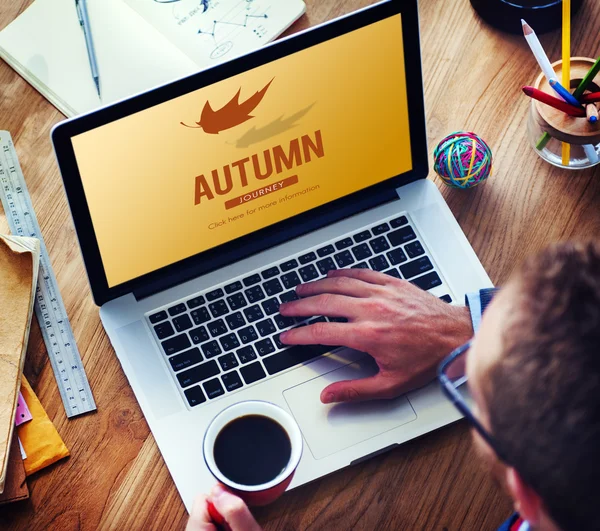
[564, 93]
[592, 97]
[546, 98]
[589, 77]
[566, 65]
[538, 51]
[591, 112]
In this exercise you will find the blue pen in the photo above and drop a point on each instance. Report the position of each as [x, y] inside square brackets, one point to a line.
[84, 20]
[564, 93]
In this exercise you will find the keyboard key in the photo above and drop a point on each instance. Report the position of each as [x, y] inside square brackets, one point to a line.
[317, 320]
[416, 267]
[246, 354]
[183, 322]
[361, 251]
[325, 265]
[283, 321]
[194, 396]
[379, 244]
[446, 298]
[199, 335]
[344, 259]
[308, 273]
[229, 342]
[228, 361]
[266, 327]
[289, 265]
[380, 229]
[200, 316]
[251, 280]
[400, 236]
[211, 349]
[213, 388]
[393, 273]
[379, 263]
[176, 344]
[265, 347]
[324, 251]
[163, 330]
[397, 256]
[235, 320]
[177, 309]
[271, 306]
[398, 222]
[214, 294]
[293, 356]
[270, 273]
[255, 294]
[361, 265]
[254, 313]
[428, 281]
[344, 244]
[414, 249]
[290, 280]
[185, 359]
[278, 343]
[236, 301]
[362, 236]
[233, 287]
[253, 372]
[216, 328]
[157, 317]
[232, 381]
[218, 308]
[248, 334]
[289, 296]
[337, 319]
[198, 373]
[306, 258]
[195, 302]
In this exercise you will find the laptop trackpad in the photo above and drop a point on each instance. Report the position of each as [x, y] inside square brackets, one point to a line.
[329, 428]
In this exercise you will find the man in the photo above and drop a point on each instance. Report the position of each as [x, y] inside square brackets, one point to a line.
[533, 373]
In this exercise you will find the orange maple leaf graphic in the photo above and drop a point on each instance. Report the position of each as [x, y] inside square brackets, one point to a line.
[232, 114]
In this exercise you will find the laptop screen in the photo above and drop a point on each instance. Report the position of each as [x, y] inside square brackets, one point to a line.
[231, 158]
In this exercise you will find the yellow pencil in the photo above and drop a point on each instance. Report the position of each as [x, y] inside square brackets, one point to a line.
[566, 64]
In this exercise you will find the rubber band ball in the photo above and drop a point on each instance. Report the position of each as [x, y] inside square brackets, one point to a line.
[463, 160]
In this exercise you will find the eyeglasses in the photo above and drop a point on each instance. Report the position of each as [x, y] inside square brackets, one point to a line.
[453, 379]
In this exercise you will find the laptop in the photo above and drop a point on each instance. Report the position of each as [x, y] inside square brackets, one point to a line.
[200, 206]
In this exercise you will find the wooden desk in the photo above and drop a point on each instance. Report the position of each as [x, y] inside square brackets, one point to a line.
[116, 477]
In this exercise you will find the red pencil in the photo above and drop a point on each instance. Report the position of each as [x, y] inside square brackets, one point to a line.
[546, 98]
[590, 98]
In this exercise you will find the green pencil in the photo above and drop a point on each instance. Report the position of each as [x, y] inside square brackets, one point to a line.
[589, 77]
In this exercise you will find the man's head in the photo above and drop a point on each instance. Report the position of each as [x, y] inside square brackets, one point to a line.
[534, 372]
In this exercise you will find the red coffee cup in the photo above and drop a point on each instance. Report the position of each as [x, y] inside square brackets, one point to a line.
[269, 490]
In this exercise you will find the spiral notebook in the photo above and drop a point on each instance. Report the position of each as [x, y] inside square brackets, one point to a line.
[139, 44]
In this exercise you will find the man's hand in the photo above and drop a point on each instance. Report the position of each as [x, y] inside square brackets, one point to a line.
[407, 331]
[232, 509]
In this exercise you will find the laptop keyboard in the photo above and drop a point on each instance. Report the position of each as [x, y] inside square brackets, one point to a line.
[227, 337]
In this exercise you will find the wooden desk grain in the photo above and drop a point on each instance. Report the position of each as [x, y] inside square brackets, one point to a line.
[116, 478]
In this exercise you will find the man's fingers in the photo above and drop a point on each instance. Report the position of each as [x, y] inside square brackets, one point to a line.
[199, 518]
[332, 334]
[340, 285]
[366, 275]
[370, 388]
[324, 304]
[233, 509]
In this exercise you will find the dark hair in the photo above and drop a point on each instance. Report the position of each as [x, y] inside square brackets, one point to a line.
[544, 394]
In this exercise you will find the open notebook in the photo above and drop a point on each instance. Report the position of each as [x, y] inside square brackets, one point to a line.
[139, 44]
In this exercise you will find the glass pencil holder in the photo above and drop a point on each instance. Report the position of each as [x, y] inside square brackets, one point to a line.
[553, 133]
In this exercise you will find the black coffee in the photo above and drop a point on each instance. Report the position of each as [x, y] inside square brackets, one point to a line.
[252, 450]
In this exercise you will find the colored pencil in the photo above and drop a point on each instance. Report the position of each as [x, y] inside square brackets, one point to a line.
[564, 93]
[592, 97]
[538, 51]
[566, 68]
[589, 77]
[591, 112]
[546, 98]
[590, 152]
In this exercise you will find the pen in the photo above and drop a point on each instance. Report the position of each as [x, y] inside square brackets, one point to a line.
[539, 95]
[564, 93]
[84, 21]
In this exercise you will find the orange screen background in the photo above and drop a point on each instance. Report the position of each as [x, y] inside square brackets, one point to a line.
[139, 173]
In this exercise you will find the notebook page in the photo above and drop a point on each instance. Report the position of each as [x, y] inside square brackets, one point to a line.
[46, 46]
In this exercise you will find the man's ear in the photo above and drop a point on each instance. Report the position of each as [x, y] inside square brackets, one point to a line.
[527, 502]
